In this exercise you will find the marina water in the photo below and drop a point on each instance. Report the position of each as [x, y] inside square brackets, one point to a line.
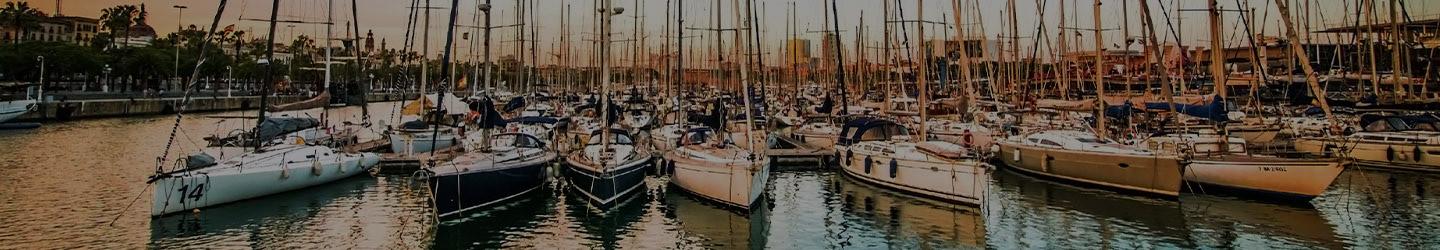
[72, 185]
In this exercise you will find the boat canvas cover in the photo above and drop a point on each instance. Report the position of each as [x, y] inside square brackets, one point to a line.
[1212, 107]
[515, 104]
[855, 130]
[274, 127]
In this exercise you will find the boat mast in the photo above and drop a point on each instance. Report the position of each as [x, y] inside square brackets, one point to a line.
[1310, 78]
[840, 58]
[960, 34]
[269, 74]
[921, 78]
[606, 12]
[1100, 128]
[740, 47]
[679, 77]
[441, 89]
[1152, 47]
[1217, 68]
[360, 63]
[425, 55]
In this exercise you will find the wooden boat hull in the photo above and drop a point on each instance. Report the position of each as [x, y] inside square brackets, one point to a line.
[1397, 155]
[196, 189]
[962, 181]
[456, 193]
[605, 188]
[736, 185]
[1153, 175]
[1300, 179]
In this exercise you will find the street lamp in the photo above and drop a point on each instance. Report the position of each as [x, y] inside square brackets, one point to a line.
[41, 96]
[229, 81]
[178, 27]
[105, 87]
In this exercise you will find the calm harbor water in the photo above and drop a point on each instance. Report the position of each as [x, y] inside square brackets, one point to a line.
[61, 186]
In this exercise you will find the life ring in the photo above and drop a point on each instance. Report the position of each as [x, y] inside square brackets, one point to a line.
[968, 138]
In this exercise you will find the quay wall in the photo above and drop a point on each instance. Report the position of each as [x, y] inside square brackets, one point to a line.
[104, 108]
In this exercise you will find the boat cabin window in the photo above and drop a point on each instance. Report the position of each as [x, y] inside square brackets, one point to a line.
[518, 141]
[615, 138]
[1089, 140]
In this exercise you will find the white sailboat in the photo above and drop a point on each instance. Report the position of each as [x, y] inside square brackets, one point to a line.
[277, 163]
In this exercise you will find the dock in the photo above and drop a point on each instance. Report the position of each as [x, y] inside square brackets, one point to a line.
[789, 154]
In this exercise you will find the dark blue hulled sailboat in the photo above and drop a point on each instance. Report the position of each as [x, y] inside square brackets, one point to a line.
[610, 167]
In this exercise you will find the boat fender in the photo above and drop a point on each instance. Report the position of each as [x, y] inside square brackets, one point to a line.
[894, 168]
[867, 164]
[1418, 153]
[1390, 153]
[849, 155]
[315, 167]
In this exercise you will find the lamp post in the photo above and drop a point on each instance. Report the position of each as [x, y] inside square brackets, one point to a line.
[105, 86]
[229, 81]
[178, 27]
[41, 95]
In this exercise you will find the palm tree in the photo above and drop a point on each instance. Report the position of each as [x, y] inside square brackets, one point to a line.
[22, 17]
[119, 19]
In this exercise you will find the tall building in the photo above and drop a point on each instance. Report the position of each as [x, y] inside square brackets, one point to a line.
[827, 50]
[797, 52]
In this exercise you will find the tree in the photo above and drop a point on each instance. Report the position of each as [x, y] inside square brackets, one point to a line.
[22, 17]
[119, 19]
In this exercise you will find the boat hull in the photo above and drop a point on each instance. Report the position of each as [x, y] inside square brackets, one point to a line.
[736, 184]
[1297, 179]
[962, 181]
[184, 191]
[11, 109]
[456, 193]
[1153, 175]
[1401, 156]
[414, 142]
[605, 189]
[817, 140]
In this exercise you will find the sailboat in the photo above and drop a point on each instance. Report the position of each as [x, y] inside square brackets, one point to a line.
[882, 152]
[1088, 157]
[277, 163]
[711, 165]
[425, 129]
[610, 166]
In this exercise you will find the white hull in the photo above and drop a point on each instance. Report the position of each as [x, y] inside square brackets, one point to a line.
[11, 109]
[260, 175]
[958, 181]
[420, 141]
[1300, 178]
[734, 183]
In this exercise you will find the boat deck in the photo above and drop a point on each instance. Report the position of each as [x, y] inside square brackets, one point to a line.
[789, 154]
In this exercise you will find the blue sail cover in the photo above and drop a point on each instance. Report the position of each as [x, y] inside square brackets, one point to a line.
[1213, 109]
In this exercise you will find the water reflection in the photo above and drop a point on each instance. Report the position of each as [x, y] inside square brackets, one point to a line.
[349, 213]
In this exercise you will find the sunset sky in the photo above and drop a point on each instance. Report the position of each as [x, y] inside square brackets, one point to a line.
[388, 17]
